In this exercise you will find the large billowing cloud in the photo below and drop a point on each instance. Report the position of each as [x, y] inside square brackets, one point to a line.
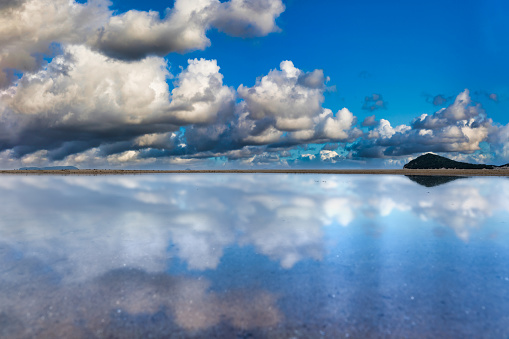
[286, 106]
[289, 97]
[247, 17]
[460, 127]
[81, 100]
[32, 29]
[461, 110]
[283, 109]
[200, 96]
[28, 30]
[83, 84]
[135, 34]
[85, 100]
[134, 117]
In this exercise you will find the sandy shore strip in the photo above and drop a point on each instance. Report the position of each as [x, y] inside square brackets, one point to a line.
[427, 172]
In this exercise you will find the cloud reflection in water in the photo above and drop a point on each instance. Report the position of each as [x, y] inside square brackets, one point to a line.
[114, 238]
[132, 220]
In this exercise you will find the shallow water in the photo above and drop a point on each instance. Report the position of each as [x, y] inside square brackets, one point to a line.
[263, 256]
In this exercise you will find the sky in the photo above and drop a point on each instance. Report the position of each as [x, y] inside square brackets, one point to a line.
[252, 83]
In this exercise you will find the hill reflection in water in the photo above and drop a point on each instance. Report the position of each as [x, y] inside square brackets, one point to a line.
[252, 255]
[432, 180]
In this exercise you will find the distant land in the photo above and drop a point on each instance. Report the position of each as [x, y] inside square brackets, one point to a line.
[502, 171]
[51, 168]
[430, 165]
[433, 161]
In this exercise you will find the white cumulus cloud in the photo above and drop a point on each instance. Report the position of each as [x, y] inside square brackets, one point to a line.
[200, 95]
[286, 97]
[460, 127]
[136, 34]
[32, 29]
[29, 28]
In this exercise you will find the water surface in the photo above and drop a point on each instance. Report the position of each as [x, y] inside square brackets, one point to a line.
[247, 255]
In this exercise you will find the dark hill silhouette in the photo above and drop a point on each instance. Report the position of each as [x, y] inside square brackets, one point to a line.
[433, 161]
[432, 180]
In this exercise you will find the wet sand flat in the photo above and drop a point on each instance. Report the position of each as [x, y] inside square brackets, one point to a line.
[426, 172]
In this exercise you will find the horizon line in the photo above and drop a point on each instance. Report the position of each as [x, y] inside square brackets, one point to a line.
[420, 172]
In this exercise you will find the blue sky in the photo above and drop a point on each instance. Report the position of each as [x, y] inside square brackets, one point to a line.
[392, 59]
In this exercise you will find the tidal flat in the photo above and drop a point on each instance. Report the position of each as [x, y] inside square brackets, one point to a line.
[253, 255]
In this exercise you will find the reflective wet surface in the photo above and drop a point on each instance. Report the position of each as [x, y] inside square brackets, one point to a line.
[253, 256]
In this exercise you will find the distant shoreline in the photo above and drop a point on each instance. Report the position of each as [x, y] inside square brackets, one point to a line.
[429, 172]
